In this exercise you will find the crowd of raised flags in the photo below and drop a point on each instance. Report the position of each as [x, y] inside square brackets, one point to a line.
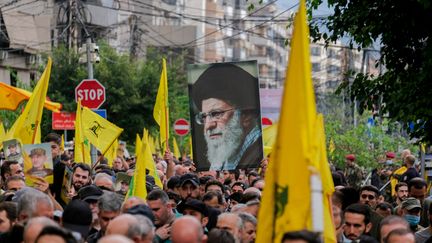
[298, 180]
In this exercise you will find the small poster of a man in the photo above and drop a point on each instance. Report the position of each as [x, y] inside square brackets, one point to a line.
[12, 150]
[38, 162]
[67, 185]
[225, 114]
[122, 183]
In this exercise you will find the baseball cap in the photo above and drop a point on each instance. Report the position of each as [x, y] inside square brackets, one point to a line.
[350, 157]
[142, 209]
[189, 177]
[173, 182]
[194, 204]
[77, 216]
[90, 192]
[411, 203]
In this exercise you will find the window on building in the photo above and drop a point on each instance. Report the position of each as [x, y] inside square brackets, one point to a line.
[316, 51]
[13, 77]
[332, 84]
[316, 67]
[333, 53]
[333, 69]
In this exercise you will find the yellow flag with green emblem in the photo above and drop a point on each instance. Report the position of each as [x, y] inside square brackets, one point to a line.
[99, 131]
[286, 202]
[82, 145]
[27, 126]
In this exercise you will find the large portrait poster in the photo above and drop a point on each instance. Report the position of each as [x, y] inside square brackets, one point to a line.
[38, 163]
[225, 115]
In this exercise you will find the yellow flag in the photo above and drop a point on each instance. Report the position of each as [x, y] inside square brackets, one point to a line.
[149, 161]
[2, 134]
[160, 110]
[28, 123]
[322, 166]
[11, 97]
[177, 153]
[82, 145]
[269, 138]
[152, 144]
[99, 131]
[286, 204]
[137, 186]
[111, 153]
[190, 148]
[138, 144]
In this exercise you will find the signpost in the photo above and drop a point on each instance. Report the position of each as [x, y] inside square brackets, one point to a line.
[63, 121]
[91, 93]
[265, 121]
[181, 127]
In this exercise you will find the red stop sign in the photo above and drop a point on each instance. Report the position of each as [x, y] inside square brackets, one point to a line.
[181, 127]
[91, 93]
[265, 121]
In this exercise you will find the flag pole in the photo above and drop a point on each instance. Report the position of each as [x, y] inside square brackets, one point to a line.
[317, 208]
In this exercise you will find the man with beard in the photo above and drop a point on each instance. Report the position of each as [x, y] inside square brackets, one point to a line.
[401, 193]
[227, 97]
[80, 177]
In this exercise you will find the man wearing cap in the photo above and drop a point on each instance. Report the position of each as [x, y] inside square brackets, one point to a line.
[189, 186]
[197, 209]
[77, 217]
[229, 118]
[411, 209]
[91, 194]
[13, 152]
[353, 173]
[38, 158]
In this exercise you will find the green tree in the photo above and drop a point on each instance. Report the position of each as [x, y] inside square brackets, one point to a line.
[403, 30]
[368, 142]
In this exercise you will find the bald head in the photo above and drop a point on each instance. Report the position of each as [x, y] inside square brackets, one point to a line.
[120, 224]
[136, 227]
[115, 239]
[34, 226]
[130, 202]
[187, 229]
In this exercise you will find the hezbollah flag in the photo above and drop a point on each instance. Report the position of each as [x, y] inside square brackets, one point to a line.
[111, 153]
[99, 131]
[177, 153]
[286, 203]
[2, 134]
[323, 168]
[149, 161]
[82, 145]
[137, 186]
[27, 126]
[11, 97]
[160, 110]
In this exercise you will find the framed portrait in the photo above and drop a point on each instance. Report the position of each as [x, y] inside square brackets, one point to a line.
[225, 115]
[13, 150]
[38, 163]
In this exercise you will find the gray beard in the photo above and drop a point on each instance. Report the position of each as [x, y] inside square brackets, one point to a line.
[221, 149]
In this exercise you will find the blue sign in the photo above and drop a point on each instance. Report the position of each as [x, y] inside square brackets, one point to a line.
[101, 112]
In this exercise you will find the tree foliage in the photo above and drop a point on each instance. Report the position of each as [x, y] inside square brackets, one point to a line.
[403, 29]
[368, 142]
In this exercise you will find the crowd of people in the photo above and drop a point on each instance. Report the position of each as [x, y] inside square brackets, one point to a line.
[373, 211]
[191, 206]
